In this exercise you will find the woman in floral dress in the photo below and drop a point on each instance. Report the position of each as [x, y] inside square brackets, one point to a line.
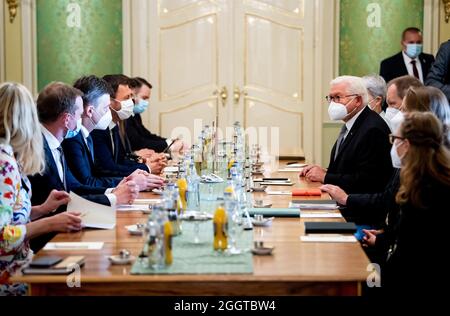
[22, 154]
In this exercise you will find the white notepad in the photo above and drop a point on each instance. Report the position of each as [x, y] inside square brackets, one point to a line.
[298, 170]
[314, 206]
[74, 245]
[320, 215]
[132, 208]
[328, 239]
[93, 215]
[279, 192]
[170, 169]
[147, 201]
[296, 165]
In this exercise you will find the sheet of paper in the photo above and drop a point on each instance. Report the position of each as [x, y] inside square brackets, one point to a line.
[296, 165]
[170, 169]
[313, 206]
[290, 170]
[320, 215]
[93, 215]
[132, 208]
[279, 192]
[74, 245]
[147, 201]
[279, 183]
[328, 239]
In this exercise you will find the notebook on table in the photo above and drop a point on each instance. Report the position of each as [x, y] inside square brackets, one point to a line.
[329, 228]
[54, 265]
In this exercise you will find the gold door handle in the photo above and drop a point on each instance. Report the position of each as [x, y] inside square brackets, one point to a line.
[223, 95]
[237, 93]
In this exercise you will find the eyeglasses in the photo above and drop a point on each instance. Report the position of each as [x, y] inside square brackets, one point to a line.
[392, 138]
[338, 98]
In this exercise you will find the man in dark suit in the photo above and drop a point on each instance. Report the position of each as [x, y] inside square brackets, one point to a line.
[360, 160]
[112, 146]
[410, 61]
[59, 108]
[140, 137]
[439, 75]
[80, 150]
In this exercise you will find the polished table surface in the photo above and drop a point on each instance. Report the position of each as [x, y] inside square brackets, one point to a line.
[295, 268]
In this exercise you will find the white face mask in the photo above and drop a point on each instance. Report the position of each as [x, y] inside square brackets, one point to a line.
[104, 121]
[390, 113]
[396, 160]
[397, 120]
[337, 111]
[127, 109]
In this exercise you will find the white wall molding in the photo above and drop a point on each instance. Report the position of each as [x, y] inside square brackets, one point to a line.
[326, 65]
[431, 26]
[2, 43]
[29, 49]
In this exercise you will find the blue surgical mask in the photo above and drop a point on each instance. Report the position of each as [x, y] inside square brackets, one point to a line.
[141, 107]
[413, 50]
[72, 134]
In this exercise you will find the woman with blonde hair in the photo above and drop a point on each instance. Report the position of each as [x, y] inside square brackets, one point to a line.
[21, 154]
[419, 148]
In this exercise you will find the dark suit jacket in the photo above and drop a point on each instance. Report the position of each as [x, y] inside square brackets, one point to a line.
[363, 164]
[372, 209]
[111, 162]
[141, 138]
[439, 75]
[43, 184]
[420, 236]
[394, 66]
[80, 163]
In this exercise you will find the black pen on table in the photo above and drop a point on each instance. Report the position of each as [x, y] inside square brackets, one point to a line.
[168, 147]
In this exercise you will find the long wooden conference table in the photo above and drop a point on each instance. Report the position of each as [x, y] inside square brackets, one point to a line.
[295, 268]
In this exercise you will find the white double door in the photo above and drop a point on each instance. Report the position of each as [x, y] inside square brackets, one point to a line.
[232, 60]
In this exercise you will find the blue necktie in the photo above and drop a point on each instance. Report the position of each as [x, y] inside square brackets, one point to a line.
[90, 145]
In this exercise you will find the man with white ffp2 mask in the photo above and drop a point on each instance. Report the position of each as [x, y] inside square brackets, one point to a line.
[112, 148]
[360, 159]
[396, 91]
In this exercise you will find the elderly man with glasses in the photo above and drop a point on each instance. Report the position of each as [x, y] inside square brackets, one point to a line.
[360, 159]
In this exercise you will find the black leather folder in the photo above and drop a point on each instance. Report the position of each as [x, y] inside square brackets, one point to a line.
[329, 228]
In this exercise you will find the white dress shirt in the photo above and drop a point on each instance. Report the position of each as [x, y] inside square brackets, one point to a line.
[409, 67]
[54, 144]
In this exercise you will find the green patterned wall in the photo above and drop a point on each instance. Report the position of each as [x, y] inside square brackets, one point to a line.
[78, 37]
[370, 31]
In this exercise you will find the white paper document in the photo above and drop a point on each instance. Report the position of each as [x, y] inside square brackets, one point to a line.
[93, 215]
[290, 170]
[320, 215]
[73, 245]
[147, 201]
[170, 169]
[132, 208]
[296, 165]
[328, 239]
[314, 206]
[279, 192]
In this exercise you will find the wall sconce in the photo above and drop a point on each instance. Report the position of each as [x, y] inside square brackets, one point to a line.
[12, 7]
[446, 10]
